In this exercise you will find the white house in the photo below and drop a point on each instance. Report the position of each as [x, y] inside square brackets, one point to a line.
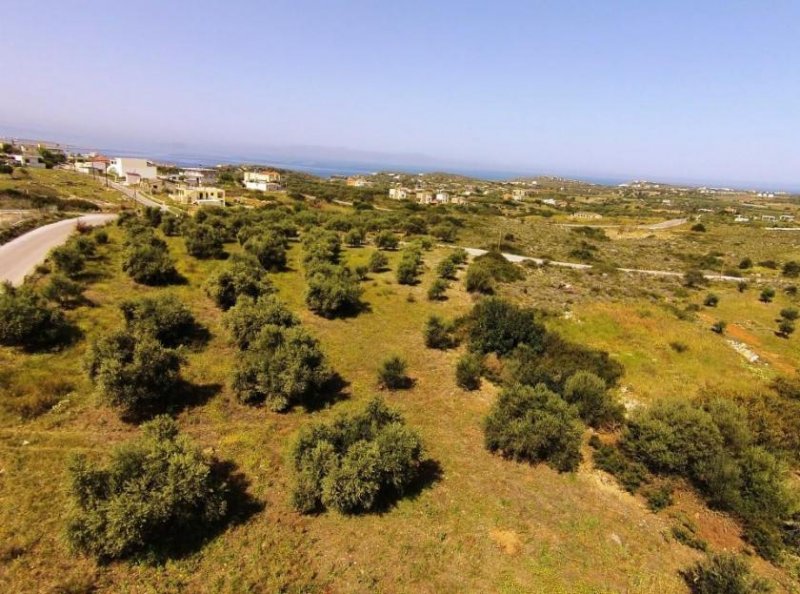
[741, 219]
[29, 160]
[133, 170]
[425, 197]
[398, 193]
[587, 216]
[92, 164]
[266, 181]
[787, 218]
[549, 201]
[519, 194]
[442, 197]
[770, 218]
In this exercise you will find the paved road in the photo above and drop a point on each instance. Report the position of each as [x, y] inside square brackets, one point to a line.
[649, 227]
[134, 195]
[20, 256]
[576, 266]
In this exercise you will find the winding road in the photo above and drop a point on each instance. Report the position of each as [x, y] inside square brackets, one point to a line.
[20, 256]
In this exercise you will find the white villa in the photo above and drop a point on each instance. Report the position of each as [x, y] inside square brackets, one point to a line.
[398, 193]
[266, 181]
[29, 160]
[442, 197]
[133, 170]
[425, 197]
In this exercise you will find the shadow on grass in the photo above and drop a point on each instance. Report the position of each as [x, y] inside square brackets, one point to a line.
[334, 390]
[430, 472]
[188, 395]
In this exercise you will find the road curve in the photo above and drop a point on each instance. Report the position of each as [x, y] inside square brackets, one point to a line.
[20, 256]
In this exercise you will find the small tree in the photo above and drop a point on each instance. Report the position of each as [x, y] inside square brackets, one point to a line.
[26, 319]
[246, 319]
[164, 317]
[785, 327]
[282, 367]
[204, 241]
[595, 403]
[241, 276]
[767, 295]
[354, 237]
[790, 313]
[694, 279]
[497, 326]
[479, 280]
[791, 269]
[378, 262]
[535, 425]
[699, 228]
[68, 259]
[719, 326]
[148, 262]
[386, 240]
[723, 573]
[438, 333]
[135, 374]
[746, 263]
[392, 374]
[468, 371]
[437, 290]
[269, 249]
[446, 269]
[711, 300]
[64, 291]
[154, 493]
[332, 290]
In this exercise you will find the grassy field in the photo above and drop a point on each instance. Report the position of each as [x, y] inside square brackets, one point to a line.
[483, 524]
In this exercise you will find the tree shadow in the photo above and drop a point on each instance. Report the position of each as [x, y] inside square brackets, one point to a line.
[429, 473]
[188, 395]
[333, 391]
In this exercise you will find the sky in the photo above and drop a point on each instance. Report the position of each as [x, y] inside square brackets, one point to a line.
[689, 90]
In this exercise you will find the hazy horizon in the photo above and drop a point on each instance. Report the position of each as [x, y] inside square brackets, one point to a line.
[679, 93]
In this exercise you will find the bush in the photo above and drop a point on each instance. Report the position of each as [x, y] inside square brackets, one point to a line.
[790, 313]
[699, 228]
[378, 262]
[133, 373]
[711, 300]
[154, 494]
[767, 295]
[723, 573]
[148, 262]
[26, 319]
[282, 367]
[68, 259]
[321, 247]
[438, 333]
[332, 290]
[479, 280]
[204, 241]
[497, 326]
[101, 236]
[354, 237]
[170, 224]
[659, 497]
[408, 267]
[164, 317]
[746, 263]
[241, 276]
[596, 405]
[437, 290]
[392, 374]
[269, 249]
[64, 291]
[446, 269]
[791, 269]
[500, 269]
[785, 328]
[535, 425]
[246, 319]
[386, 240]
[355, 462]
[629, 473]
[694, 279]
[468, 371]
[719, 326]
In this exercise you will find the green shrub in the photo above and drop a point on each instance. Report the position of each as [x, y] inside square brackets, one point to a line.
[204, 241]
[408, 268]
[148, 262]
[155, 493]
[269, 248]
[332, 290]
[240, 276]
[711, 300]
[596, 405]
[392, 374]
[791, 269]
[386, 240]
[785, 328]
[659, 497]
[629, 473]
[438, 333]
[378, 262]
[170, 224]
[68, 259]
[767, 295]
[535, 425]
[723, 573]
[281, 368]
[63, 291]
[694, 279]
[165, 317]
[28, 321]
[468, 371]
[245, 320]
[746, 263]
[497, 326]
[321, 247]
[699, 228]
[133, 373]
[355, 462]
[719, 326]
[354, 237]
[446, 269]
[437, 290]
[790, 313]
[479, 280]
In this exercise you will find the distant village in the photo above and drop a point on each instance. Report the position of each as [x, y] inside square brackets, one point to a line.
[210, 186]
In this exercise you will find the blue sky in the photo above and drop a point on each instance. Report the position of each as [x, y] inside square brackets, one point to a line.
[688, 90]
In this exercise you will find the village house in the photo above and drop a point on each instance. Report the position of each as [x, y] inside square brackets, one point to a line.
[92, 164]
[519, 194]
[425, 197]
[587, 216]
[200, 195]
[358, 182]
[770, 218]
[442, 198]
[741, 219]
[29, 160]
[264, 181]
[133, 170]
[398, 193]
[198, 176]
[787, 218]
